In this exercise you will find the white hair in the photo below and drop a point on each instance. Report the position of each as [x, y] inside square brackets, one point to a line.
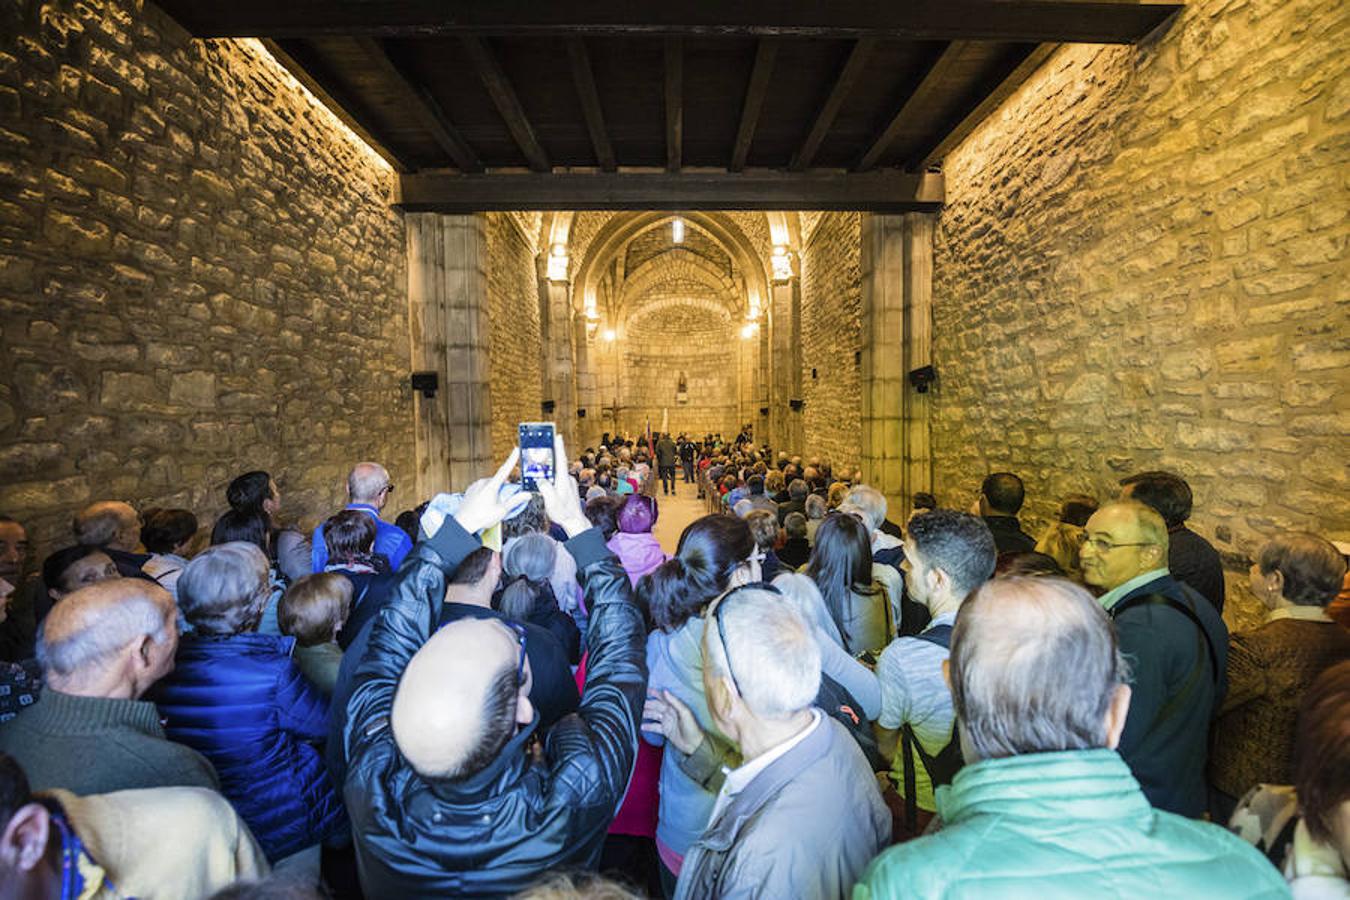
[365, 481]
[742, 508]
[774, 658]
[99, 633]
[801, 592]
[223, 589]
[868, 503]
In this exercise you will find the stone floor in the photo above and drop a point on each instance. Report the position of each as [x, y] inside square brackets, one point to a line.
[675, 513]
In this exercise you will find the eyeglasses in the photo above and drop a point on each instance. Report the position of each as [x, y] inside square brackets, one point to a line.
[721, 629]
[520, 639]
[387, 489]
[1102, 545]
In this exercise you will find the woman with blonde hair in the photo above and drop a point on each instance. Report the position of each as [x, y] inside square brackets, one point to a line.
[1063, 538]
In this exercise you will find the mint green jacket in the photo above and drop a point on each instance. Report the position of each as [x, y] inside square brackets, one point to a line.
[1072, 824]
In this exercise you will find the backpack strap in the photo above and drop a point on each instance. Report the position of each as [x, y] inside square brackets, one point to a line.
[1174, 705]
[940, 635]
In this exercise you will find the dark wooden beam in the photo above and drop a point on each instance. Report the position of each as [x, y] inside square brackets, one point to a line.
[1034, 21]
[296, 58]
[925, 89]
[423, 105]
[504, 98]
[879, 191]
[584, 78]
[848, 76]
[760, 75]
[1027, 62]
[674, 68]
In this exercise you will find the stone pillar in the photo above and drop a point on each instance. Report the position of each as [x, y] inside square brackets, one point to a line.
[796, 431]
[897, 288]
[588, 398]
[783, 364]
[556, 337]
[917, 409]
[447, 300]
[883, 368]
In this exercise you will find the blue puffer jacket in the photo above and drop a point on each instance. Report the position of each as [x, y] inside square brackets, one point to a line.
[242, 703]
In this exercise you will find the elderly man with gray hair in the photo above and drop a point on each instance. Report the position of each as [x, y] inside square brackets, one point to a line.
[115, 528]
[1045, 805]
[368, 489]
[100, 649]
[802, 815]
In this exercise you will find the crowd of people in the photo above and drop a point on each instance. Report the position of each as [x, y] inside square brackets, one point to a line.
[512, 692]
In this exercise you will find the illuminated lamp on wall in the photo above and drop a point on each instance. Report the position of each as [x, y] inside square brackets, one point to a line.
[750, 330]
[608, 334]
[557, 263]
[677, 231]
[782, 263]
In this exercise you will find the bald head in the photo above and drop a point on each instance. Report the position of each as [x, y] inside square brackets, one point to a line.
[1124, 539]
[108, 523]
[368, 483]
[1014, 642]
[456, 733]
[119, 632]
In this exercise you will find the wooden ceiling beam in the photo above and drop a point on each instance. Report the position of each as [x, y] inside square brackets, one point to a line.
[843, 84]
[674, 78]
[423, 105]
[296, 58]
[1027, 21]
[505, 99]
[1028, 61]
[584, 78]
[920, 96]
[761, 190]
[760, 76]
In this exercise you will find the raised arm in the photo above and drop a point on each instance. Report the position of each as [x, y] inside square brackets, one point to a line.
[616, 674]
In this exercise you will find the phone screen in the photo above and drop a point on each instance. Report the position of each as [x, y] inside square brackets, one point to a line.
[536, 453]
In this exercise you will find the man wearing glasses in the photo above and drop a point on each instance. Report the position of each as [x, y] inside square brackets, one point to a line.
[1177, 645]
[368, 489]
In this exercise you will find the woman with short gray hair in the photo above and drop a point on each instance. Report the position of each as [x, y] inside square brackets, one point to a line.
[237, 697]
[1270, 667]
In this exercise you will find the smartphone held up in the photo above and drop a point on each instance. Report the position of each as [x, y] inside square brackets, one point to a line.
[536, 453]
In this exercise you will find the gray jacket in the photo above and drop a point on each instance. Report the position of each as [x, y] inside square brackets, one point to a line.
[804, 828]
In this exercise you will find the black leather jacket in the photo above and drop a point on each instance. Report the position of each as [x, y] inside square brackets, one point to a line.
[498, 831]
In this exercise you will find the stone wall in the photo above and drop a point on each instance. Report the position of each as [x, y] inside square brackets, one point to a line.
[831, 338]
[674, 339]
[1141, 264]
[516, 382]
[199, 274]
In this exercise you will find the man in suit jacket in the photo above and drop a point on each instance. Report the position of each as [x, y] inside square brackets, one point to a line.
[1176, 644]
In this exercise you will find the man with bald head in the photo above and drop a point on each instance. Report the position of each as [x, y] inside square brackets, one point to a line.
[1177, 645]
[1044, 803]
[100, 649]
[115, 528]
[448, 793]
[368, 489]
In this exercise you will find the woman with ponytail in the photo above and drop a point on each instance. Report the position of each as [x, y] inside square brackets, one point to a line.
[527, 596]
[715, 554]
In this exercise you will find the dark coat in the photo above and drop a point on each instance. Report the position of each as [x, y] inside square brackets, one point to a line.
[499, 830]
[1008, 535]
[243, 704]
[370, 592]
[1167, 748]
[1192, 559]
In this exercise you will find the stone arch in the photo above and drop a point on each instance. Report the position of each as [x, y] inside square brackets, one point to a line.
[679, 265]
[615, 234]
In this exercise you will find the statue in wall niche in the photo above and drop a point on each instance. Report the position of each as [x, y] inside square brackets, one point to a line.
[682, 390]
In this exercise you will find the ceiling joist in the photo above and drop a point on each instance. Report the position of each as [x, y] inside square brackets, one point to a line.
[1034, 21]
[584, 78]
[760, 76]
[504, 98]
